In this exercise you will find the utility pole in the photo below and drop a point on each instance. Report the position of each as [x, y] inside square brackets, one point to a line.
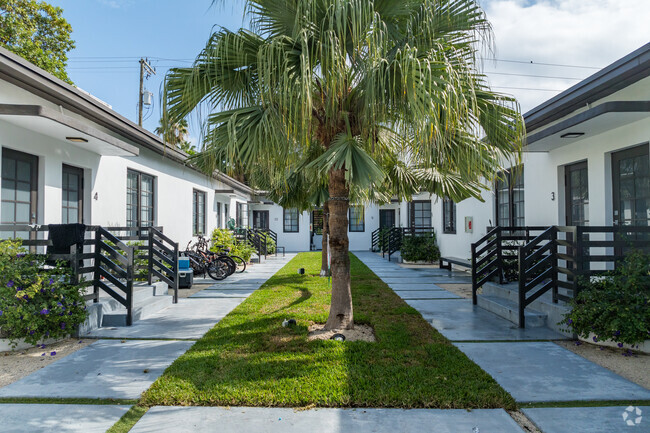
[145, 72]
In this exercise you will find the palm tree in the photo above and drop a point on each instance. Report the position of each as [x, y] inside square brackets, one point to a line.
[379, 97]
[173, 132]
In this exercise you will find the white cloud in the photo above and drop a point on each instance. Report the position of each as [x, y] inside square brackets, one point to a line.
[570, 32]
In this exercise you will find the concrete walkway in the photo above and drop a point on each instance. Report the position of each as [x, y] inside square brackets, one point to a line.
[531, 371]
[127, 364]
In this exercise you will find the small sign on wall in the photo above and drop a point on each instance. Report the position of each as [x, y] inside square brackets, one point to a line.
[469, 224]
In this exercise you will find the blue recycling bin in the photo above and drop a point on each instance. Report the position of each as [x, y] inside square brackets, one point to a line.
[185, 273]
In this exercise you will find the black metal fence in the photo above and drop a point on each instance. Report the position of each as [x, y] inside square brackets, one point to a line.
[552, 258]
[111, 259]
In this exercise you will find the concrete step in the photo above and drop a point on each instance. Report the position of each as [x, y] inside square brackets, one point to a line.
[510, 291]
[142, 309]
[509, 310]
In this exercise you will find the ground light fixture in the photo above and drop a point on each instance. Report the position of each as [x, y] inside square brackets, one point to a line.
[338, 337]
[572, 135]
[77, 139]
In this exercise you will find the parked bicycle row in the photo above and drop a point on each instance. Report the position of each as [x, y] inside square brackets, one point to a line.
[217, 264]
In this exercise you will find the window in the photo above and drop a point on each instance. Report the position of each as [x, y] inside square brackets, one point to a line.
[448, 216]
[19, 191]
[510, 199]
[261, 219]
[291, 220]
[226, 214]
[72, 191]
[198, 213]
[420, 213]
[356, 219]
[139, 199]
[241, 215]
[218, 215]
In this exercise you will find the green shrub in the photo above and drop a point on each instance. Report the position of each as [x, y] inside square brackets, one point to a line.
[140, 265]
[36, 303]
[615, 307]
[226, 238]
[420, 248]
[270, 245]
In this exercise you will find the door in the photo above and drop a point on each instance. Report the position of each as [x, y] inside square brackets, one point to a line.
[631, 190]
[19, 191]
[386, 218]
[261, 219]
[577, 194]
[73, 193]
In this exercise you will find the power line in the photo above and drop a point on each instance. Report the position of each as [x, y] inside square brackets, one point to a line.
[527, 88]
[534, 76]
[530, 62]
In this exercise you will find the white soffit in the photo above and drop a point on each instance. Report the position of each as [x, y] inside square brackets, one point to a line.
[54, 124]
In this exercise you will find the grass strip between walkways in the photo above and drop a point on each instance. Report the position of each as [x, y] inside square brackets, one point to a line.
[249, 359]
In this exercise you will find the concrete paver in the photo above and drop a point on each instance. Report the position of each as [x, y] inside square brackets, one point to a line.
[223, 293]
[189, 319]
[287, 420]
[60, 418]
[426, 294]
[543, 372]
[104, 369]
[615, 419]
[459, 320]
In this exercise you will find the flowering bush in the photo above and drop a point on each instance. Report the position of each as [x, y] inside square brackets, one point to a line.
[615, 307]
[36, 303]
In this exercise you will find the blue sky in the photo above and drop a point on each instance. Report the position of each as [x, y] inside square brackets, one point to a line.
[111, 36]
[542, 46]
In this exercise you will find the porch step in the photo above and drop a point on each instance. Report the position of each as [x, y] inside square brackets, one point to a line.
[509, 310]
[147, 300]
[510, 291]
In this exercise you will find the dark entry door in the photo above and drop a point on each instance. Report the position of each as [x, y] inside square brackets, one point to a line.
[577, 194]
[261, 219]
[631, 172]
[386, 218]
[73, 195]
[19, 190]
[631, 191]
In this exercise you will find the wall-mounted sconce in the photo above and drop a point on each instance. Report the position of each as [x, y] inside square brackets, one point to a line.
[96, 196]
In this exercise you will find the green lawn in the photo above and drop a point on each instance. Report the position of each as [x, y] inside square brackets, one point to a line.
[249, 359]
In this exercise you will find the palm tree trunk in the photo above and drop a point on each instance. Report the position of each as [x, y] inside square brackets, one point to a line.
[340, 316]
[324, 268]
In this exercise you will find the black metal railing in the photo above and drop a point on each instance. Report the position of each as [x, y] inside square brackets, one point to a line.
[110, 259]
[393, 241]
[495, 255]
[80, 259]
[537, 262]
[114, 263]
[163, 260]
[374, 247]
[552, 258]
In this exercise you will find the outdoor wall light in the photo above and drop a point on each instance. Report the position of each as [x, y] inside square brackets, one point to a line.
[572, 135]
[77, 139]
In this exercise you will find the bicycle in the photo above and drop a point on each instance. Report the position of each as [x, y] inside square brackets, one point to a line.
[223, 252]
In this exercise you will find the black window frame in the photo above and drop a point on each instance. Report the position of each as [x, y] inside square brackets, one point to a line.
[516, 197]
[139, 222]
[291, 216]
[448, 216]
[65, 210]
[356, 227]
[198, 214]
[425, 215]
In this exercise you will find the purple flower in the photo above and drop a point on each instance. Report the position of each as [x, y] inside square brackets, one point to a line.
[595, 339]
[42, 346]
[10, 283]
[578, 343]
[31, 332]
[43, 354]
[45, 311]
[80, 341]
[62, 325]
[52, 353]
[51, 281]
[59, 304]
[0, 312]
[20, 255]
[617, 333]
[569, 322]
[620, 344]
[26, 297]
